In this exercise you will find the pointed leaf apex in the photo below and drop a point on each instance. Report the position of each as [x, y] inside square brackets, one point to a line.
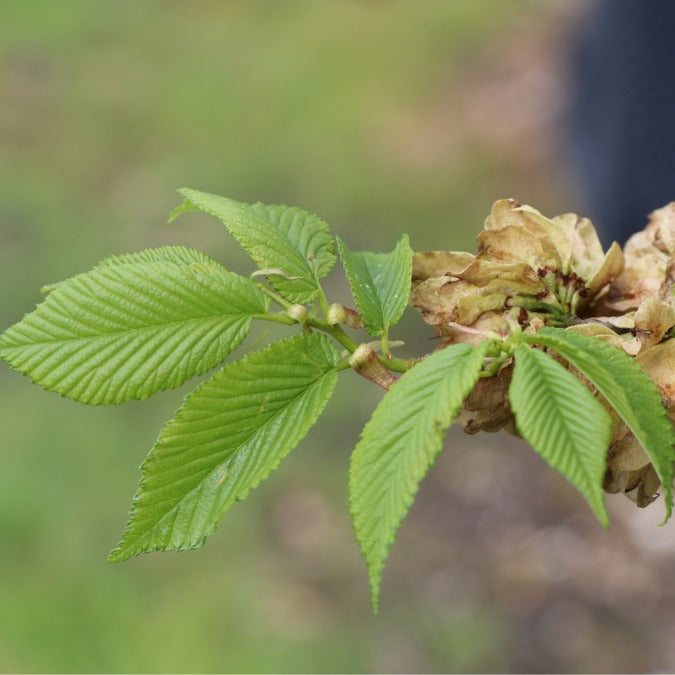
[291, 240]
[186, 205]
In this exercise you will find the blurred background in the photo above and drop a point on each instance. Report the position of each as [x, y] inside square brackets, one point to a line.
[383, 117]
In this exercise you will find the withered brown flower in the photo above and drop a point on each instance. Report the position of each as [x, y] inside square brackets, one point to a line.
[649, 269]
[538, 271]
[526, 266]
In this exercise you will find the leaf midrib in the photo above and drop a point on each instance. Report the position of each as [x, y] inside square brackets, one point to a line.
[380, 301]
[128, 330]
[258, 236]
[570, 439]
[390, 469]
[301, 256]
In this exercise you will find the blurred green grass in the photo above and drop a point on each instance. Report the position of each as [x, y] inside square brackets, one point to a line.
[105, 108]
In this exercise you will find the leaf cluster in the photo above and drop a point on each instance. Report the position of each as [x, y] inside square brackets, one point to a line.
[140, 323]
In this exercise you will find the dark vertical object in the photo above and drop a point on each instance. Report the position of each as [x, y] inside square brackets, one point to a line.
[623, 118]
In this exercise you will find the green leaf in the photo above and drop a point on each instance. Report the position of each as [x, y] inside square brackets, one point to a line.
[628, 389]
[175, 254]
[400, 443]
[562, 420]
[230, 433]
[126, 330]
[380, 283]
[276, 237]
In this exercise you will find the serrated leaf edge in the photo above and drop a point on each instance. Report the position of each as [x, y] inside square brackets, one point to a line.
[123, 550]
[536, 338]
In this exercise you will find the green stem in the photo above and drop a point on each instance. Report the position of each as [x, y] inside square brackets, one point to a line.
[280, 317]
[495, 365]
[339, 334]
[274, 296]
[336, 331]
[398, 365]
[323, 301]
[497, 348]
[386, 351]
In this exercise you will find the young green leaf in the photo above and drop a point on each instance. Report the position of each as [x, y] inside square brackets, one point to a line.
[562, 421]
[174, 254]
[125, 331]
[380, 283]
[283, 238]
[628, 389]
[230, 433]
[400, 443]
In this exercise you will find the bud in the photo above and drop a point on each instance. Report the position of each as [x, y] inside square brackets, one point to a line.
[298, 312]
[366, 363]
[340, 314]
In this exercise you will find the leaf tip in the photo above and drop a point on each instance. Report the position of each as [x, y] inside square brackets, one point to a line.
[598, 507]
[186, 205]
[668, 498]
[375, 593]
[125, 549]
[375, 562]
[118, 554]
[404, 241]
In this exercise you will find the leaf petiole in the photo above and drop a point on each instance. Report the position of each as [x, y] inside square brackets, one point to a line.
[399, 365]
[495, 365]
[323, 302]
[386, 350]
[273, 295]
[277, 317]
[340, 335]
[336, 332]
